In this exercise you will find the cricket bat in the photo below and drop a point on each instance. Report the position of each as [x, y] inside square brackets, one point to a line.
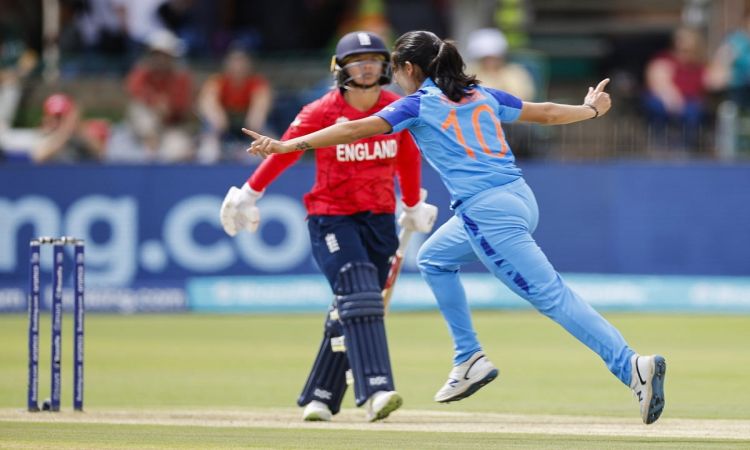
[404, 236]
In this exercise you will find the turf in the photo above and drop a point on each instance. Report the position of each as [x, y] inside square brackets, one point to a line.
[156, 362]
[25, 435]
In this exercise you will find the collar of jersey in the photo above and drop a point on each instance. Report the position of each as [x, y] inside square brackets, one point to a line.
[429, 86]
[427, 83]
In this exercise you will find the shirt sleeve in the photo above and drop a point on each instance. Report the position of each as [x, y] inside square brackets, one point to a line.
[307, 121]
[271, 168]
[401, 114]
[409, 165]
[509, 105]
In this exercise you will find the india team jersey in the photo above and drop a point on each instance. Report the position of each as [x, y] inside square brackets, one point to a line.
[349, 178]
[463, 141]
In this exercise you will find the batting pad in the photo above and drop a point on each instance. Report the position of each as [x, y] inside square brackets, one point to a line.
[360, 307]
[327, 379]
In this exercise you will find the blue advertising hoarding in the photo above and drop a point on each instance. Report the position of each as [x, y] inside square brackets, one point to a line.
[154, 241]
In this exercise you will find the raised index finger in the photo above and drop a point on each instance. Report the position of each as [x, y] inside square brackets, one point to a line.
[602, 84]
[251, 133]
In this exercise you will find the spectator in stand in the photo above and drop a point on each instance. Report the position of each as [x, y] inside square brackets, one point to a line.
[94, 39]
[16, 63]
[676, 88]
[160, 101]
[228, 101]
[141, 20]
[184, 19]
[65, 138]
[730, 67]
[487, 48]
[100, 28]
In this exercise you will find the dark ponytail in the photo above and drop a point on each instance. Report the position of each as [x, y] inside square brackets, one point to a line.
[438, 60]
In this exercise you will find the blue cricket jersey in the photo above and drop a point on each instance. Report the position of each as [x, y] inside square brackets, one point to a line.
[463, 141]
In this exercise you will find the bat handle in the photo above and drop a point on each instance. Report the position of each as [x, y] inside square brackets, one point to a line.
[403, 240]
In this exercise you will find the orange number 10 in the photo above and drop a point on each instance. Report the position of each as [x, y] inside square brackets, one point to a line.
[452, 121]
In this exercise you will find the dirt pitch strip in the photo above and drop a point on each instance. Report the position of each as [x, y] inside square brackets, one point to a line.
[406, 420]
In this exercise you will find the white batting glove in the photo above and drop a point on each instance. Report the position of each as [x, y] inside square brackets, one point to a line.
[420, 217]
[238, 211]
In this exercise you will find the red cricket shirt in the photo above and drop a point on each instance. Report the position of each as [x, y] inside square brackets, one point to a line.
[237, 95]
[354, 177]
[151, 86]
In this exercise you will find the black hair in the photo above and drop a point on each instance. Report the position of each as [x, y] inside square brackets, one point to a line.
[438, 60]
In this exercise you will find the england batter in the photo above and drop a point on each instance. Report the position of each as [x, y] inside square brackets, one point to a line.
[352, 226]
[458, 126]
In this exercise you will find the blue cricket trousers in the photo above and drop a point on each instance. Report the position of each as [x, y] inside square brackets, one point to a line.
[364, 236]
[495, 226]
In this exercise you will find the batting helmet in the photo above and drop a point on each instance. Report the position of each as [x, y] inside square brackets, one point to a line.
[355, 43]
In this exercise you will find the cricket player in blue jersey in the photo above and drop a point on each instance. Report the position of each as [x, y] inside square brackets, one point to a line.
[457, 124]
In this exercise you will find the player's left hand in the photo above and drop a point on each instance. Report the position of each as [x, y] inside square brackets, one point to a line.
[420, 217]
[263, 145]
[599, 99]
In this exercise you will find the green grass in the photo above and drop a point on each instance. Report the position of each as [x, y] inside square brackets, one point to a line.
[130, 436]
[234, 361]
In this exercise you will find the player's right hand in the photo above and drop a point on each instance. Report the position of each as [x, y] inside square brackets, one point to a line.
[238, 211]
[263, 145]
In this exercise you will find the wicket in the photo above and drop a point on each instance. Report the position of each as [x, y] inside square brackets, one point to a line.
[58, 246]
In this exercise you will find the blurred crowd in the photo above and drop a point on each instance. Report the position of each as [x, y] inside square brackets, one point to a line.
[681, 79]
[159, 119]
[186, 69]
[189, 74]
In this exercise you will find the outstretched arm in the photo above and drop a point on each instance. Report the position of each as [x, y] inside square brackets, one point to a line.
[341, 133]
[595, 104]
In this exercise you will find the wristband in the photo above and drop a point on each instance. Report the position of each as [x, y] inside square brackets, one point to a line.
[252, 192]
[596, 111]
[412, 207]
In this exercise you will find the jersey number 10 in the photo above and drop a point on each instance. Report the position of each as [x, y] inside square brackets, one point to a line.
[452, 121]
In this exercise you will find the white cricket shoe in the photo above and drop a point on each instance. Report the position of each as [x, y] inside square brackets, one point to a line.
[316, 411]
[381, 404]
[467, 378]
[647, 383]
